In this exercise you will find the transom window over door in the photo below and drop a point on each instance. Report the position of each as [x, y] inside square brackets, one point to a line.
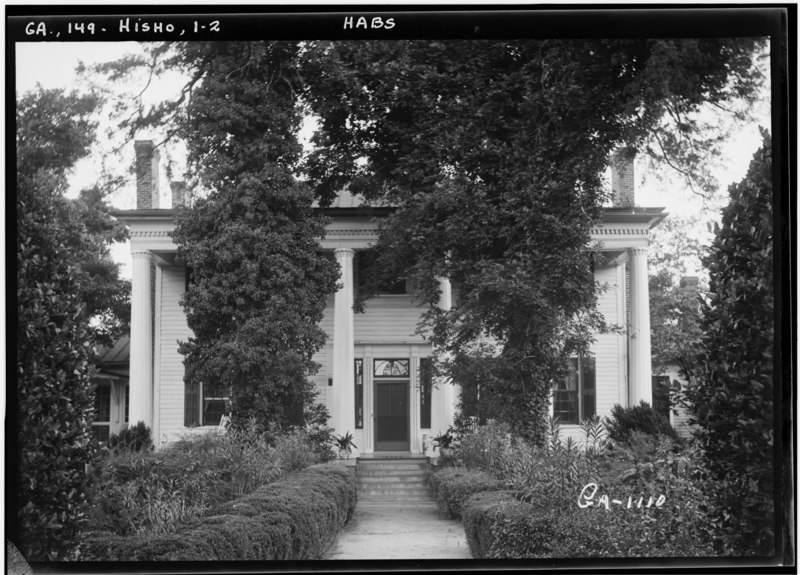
[391, 368]
[574, 396]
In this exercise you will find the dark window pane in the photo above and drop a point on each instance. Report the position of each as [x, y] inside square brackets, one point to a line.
[359, 393]
[102, 403]
[191, 405]
[127, 400]
[363, 267]
[425, 392]
[213, 410]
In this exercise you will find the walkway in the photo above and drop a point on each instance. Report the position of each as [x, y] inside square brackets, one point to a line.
[400, 531]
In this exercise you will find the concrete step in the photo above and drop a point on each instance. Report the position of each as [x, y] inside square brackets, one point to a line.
[391, 473]
[394, 497]
[388, 464]
[378, 467]
[395, 491]
[409, 480]
[396, 501]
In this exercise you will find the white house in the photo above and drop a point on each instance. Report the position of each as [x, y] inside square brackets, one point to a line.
[370, 365]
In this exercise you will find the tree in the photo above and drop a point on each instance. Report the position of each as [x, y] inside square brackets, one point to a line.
[730, 395]
[674, 310]
[65, 279]
[258, 284]
[492, 153]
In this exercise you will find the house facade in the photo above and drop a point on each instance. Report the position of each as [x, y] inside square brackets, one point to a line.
[372, 375]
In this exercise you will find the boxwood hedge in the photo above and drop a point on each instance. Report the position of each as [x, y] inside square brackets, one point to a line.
[453, 486]
[296, 517]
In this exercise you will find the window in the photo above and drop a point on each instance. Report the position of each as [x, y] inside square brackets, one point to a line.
[391, 368]
[359, 394]
[425, 380]
[573, 397]
[201, 410]
[661, 388]
[364, 262]
[101, 426]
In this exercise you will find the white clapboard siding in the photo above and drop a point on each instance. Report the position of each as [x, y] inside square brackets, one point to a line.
[388, 319]
[608, 350]
[173, 329]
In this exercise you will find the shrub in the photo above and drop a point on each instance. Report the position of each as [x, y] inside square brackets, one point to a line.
[453, 486]
[730, 395]
[640, 417]
[478, 514]
[136, 438]
[296, 517]
[487, 447]
[156, 492]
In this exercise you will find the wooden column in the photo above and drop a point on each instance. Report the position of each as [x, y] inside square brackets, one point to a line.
[343, 341]
[448, 392]
[640, 386]
[141, 366]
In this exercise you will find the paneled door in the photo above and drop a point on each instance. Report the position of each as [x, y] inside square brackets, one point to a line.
[392, 387]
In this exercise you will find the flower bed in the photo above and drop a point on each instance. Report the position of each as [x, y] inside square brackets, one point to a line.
[646, 498]
[296, 517]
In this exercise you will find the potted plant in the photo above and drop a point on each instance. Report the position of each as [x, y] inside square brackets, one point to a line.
[443, 441]
[345, 444]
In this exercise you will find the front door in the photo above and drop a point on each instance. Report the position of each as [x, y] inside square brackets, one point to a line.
[391, 406]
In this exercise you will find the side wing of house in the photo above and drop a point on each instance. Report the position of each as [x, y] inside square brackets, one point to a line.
[618, 369]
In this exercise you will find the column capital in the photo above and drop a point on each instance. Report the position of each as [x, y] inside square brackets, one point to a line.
[141, 254]
[638, 251]
[345, 252]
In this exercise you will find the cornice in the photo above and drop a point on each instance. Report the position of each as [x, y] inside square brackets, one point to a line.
[150, 234]
[619, 231]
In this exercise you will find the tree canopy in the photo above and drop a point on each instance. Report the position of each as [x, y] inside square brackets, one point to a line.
[65, 279]
[491, 152]
[258, 285]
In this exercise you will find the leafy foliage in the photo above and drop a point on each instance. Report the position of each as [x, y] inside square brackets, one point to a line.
[641, 418]
[539, 516]
[492, 153]
[133, 439]
[674, 309]
[65, 278]
[296, 517]
[146, 492]
[731, 381]
[258, 286]
[453, 486]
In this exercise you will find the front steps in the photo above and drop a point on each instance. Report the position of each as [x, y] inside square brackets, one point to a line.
[393, 480]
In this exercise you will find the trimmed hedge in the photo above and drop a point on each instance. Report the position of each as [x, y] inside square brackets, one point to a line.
[453, 486]
[296, 517]
[498, 526]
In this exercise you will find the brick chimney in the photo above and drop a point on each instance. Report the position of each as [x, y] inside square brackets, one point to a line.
[622, 186]
[180, 194]
[147, 157]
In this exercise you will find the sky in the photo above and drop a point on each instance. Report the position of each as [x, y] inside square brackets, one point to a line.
[53, 65]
